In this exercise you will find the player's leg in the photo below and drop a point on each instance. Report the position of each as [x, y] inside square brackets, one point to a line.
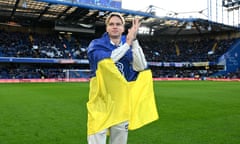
[98, 138]
[119, 133]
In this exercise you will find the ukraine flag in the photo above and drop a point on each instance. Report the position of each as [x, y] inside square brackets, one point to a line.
[113, 100]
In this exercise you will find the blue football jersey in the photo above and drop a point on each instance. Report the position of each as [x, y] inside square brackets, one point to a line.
[102, 48]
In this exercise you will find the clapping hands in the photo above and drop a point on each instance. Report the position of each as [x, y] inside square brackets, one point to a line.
[132, 32]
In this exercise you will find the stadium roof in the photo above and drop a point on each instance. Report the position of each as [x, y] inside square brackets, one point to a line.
[48, 13]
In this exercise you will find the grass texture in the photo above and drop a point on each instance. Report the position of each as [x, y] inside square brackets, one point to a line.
[191, 112]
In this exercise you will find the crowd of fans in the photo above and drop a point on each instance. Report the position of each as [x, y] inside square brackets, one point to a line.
[200, 50]
[33, 45]
[19, 44]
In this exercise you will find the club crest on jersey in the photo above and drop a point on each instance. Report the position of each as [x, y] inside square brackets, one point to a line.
[120, 67]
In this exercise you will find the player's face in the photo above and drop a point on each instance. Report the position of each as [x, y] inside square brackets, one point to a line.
[115, 27]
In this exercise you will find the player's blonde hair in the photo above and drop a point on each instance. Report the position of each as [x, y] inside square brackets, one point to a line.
[114, 14]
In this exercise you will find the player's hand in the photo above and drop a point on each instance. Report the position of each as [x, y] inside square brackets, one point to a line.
[132, 32]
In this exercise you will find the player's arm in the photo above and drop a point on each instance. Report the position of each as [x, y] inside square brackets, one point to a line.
[119, 52]
[139, 60]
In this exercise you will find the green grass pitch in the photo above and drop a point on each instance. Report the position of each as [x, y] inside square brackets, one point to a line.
[191, 112]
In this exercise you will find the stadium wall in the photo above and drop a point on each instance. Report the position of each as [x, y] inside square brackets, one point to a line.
[87, 80]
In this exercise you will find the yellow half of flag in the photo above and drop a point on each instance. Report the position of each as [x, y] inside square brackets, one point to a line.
[113, 100]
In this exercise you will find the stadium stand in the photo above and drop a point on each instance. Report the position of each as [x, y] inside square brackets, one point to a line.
[20, 44]
[35, 48]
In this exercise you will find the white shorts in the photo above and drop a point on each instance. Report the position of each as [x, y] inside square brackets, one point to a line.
[118, 135]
